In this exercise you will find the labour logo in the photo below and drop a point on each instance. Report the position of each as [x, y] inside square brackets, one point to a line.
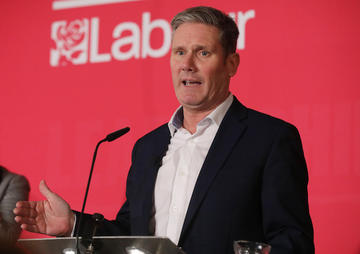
[70, 42]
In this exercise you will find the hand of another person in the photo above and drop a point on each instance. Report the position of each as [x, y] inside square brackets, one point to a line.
[52, 216]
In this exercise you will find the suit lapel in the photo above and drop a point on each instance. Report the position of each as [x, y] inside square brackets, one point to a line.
[227, 136]
[145, 193]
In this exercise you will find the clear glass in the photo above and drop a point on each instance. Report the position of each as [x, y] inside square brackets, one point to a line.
[248, 247]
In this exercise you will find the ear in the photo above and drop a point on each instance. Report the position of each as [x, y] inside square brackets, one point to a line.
[232, 63]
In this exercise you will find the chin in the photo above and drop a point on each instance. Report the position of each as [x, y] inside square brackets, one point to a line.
[192, 105]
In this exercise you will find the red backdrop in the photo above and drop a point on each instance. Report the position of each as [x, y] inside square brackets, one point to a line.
[69, 76]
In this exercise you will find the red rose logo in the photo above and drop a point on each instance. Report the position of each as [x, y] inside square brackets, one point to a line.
[72, 34]
[71, 41]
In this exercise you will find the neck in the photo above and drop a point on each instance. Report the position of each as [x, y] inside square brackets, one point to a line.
[192, 118]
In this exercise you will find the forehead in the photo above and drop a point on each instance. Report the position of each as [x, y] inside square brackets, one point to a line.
[196, 33]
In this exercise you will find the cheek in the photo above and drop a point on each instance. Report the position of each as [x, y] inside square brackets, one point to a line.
[174, 72]
[172, 67]
[173, 63]
[214, 75]
[217, 81]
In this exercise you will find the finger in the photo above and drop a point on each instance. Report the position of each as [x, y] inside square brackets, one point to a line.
[25, 204]
[31, 228]
[45, 190]
[25, 212]
[25, 220]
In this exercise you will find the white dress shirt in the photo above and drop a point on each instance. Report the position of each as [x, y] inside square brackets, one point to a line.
[180, 168]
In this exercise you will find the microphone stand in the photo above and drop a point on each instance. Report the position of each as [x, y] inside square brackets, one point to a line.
[86, 194]
[109, 138]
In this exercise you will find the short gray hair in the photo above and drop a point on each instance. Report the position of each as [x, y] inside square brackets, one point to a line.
[229, 31]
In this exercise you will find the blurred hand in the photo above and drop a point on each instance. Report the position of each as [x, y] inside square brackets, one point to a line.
[51, 216]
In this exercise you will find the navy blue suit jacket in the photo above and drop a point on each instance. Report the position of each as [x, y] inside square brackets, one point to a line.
[252, 186]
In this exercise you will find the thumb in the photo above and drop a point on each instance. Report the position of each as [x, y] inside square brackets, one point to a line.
[45, 191]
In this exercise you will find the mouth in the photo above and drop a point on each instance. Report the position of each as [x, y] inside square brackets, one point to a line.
[187, 82]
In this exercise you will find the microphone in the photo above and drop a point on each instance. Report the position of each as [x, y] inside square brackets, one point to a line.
[117, 134]
[109, 138]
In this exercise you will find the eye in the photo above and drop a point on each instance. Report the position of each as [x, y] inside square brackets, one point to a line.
[204, 53]
[180, 52]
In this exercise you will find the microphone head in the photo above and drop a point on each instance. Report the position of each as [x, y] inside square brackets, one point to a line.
[117, 134]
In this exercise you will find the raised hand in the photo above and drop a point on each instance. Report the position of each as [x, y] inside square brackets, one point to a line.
[51, 216]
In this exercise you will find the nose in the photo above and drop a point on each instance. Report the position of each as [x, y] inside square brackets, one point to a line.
[188, 63]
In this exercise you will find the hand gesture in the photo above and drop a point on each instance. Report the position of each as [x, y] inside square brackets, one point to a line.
[51, 216]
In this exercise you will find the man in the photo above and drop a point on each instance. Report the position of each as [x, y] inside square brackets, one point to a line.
[13, 187]
[217, 172]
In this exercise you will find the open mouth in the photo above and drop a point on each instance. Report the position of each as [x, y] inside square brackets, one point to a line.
[191, 83]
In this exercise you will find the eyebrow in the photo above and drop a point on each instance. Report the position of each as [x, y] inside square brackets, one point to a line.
[177, 48]
[194, 48]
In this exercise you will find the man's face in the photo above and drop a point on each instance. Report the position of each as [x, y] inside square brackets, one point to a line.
[200, 72]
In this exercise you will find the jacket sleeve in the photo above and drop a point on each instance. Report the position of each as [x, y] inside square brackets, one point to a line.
[287, 224]
[16, 188]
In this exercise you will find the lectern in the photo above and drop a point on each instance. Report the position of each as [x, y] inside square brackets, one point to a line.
[101, 245]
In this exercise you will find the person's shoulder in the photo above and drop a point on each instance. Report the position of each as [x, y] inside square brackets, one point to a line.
[153, 142]
[20, 179]
[255, 115]
[10, 178]
[257, 118]
[159, 133]
[7, 176]
[270, 124]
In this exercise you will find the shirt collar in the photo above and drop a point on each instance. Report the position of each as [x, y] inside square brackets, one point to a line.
[216, 116]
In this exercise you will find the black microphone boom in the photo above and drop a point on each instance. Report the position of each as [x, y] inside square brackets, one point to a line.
[109, 138]
[117, 134]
